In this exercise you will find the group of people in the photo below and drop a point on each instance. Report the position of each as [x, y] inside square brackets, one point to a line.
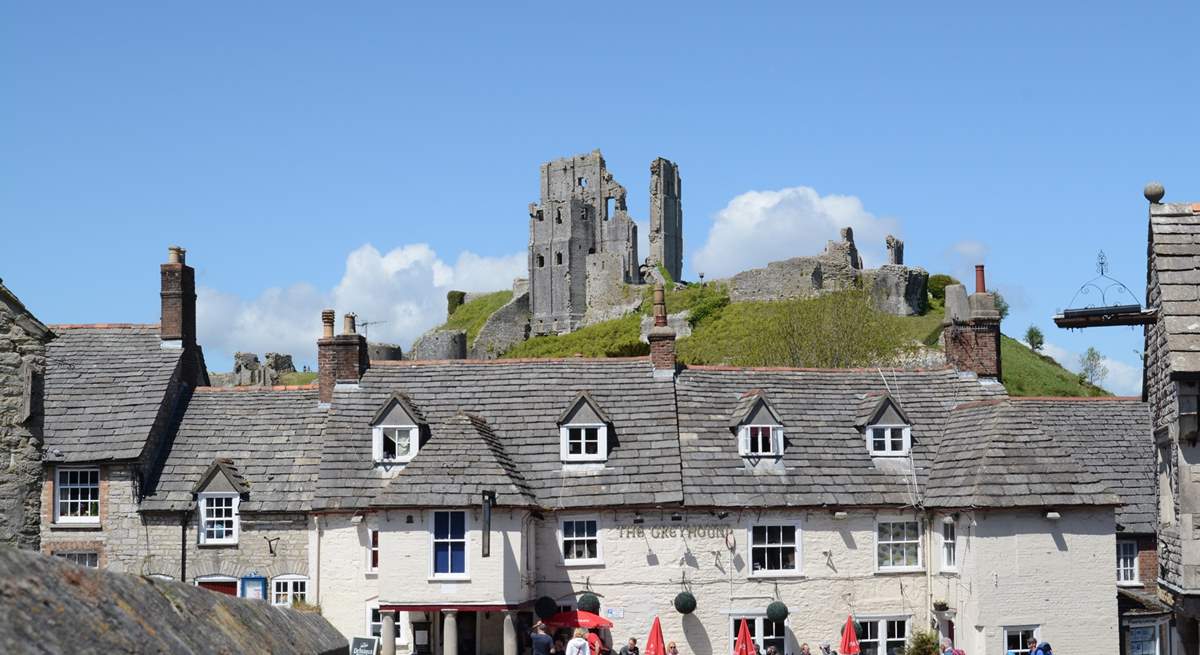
[583, 642]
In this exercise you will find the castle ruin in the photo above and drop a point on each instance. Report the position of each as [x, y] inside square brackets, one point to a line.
[583, 243]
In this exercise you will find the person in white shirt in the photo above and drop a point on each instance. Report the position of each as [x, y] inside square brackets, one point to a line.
[578, 645]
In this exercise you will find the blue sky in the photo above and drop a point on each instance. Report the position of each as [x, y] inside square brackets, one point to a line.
[374, 154]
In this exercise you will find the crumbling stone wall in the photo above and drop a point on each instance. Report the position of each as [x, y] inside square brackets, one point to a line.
[898, 290]
[248, 371]
[382, 352]
[51, 606]
[666, 218]
[440, 344]
[505, 328]
[22, 366]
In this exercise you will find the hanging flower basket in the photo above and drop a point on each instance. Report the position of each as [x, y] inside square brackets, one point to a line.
[545, 607]
[777, 611]
[589, 602]
[685, 602]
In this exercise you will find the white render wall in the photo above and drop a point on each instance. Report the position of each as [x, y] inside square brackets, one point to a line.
[1024, 569]
[641, 576]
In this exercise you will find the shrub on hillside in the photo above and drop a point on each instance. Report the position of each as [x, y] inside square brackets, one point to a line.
[938, 283]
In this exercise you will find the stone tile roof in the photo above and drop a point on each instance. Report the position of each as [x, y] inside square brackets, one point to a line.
[465, 451]
[520, 400]
[226, 467]
[872, 404]
[106, 387]
[272, 437]
[996, 454]
[1113, 438]
[825, 460]
[748, 403]
[1175, 251]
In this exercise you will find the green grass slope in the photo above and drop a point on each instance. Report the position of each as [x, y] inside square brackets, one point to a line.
[616, 338]
[1026, 373]
[472, 315]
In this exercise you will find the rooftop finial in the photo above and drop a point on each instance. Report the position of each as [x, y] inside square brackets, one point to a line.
[1154, 192]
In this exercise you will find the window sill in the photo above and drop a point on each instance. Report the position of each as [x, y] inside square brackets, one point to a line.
[900, 571]
[948, 573]
[1131, 584]
[583, 563]
[372, 574]
[230, 544]
[449, 578]
[77, 527]
[773, 575]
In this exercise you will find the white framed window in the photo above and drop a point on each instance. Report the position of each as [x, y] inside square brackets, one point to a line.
[1144, 637]
[218, 518]
[584, 442]
[883, 636]
[89, 559]
[394, 444]
[1127, 562]
[372, 550]
[889, 440]
[77, 495]
[949, 546]
[774, 549]
[289, 589]
[763, 632]
[898, 545]
[449, 539]
[760, 440]
[375, 624]
[1016, 638]
[580, 541]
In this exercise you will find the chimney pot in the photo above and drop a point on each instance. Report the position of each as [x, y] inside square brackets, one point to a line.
[660, 306]
[348, 326]
[176, 255]
[327, 323]
[980, 287]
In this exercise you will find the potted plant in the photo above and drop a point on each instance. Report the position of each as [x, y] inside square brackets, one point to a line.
[940, 606]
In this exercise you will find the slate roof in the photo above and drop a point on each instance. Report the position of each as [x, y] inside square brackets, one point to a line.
[873, 404]
[747, 404]
[22, 316]
[226, 467]
[105, 389]
[521, 401]
[1113, 438]
[465, 451]
[995, 454]
[273, 438]
[1175, 247]
[825, 461]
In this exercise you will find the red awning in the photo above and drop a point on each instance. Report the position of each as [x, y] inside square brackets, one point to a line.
[578, 619]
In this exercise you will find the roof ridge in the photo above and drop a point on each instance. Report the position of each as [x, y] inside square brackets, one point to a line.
[493, 362]
[1079, 398]
[248, 389]
[871, 369]
[104, 326]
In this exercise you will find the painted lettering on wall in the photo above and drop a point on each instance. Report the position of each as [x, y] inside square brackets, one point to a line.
[673, 531]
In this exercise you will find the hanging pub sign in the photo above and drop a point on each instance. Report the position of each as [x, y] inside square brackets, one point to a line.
[364, 645]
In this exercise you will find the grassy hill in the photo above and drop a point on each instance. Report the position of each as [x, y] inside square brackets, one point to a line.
[472, 315]
[835, 330]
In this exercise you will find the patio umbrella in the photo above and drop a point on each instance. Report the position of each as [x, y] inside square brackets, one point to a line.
[744, 644]
[849, 645]
[577, 619]
[654, 643]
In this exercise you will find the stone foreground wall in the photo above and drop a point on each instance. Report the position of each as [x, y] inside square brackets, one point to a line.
[50, 606]
[22, 363]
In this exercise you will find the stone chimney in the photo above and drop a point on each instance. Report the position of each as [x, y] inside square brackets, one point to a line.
[971, 333]
[661, 337]
[341, 359]
[178, 320]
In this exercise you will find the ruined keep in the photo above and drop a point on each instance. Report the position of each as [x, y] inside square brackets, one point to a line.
[583, 243]
[666, 218]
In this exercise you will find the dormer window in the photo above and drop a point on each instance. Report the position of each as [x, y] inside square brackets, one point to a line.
[219, 493]
[760, 440]
[758, 426]
[396, 431]
[583, 431]
[886, 427]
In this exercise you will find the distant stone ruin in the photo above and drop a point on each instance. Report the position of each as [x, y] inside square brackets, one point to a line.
[894, 288]
[249, 372]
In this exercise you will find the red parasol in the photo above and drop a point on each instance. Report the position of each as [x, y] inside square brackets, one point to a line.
[744, 644]
[849, 645]
[578, 619]
[654, 643]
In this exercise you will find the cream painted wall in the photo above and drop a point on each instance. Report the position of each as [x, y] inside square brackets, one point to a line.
[1023, 569]
[642, 573]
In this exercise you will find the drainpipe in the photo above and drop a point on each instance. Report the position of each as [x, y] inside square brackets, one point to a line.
[929, 569]
[183, 523]
[316, 575]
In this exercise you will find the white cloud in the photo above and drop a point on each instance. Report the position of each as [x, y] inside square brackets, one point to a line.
[758, 227]
[404, 288]
[962, 257]
[1122, 379]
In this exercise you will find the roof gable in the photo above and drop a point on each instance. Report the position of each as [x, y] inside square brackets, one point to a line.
[22, 317]
[754, 408]
[221, 475]
[876, 408]
[583, 409]
[398, 410]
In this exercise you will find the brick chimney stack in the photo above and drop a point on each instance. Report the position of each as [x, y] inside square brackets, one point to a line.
[971, 333]
[340, 359]
[178, 319]
[661, 337]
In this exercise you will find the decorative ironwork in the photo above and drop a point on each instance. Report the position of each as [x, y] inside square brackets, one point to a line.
[1103, 285]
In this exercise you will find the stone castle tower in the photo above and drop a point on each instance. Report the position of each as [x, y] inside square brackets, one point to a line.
[581, 241]
[666, 218]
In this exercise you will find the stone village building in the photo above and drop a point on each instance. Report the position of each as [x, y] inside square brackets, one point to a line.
[464, 494]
